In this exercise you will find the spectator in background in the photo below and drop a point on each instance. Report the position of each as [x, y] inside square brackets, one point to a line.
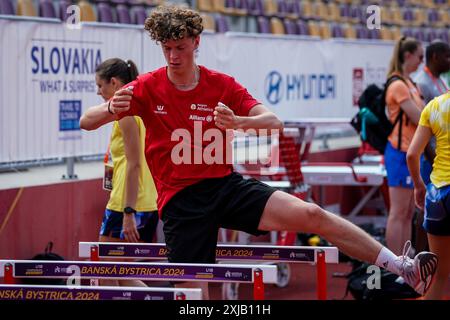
[403, 97]
[435, 197]
[431, 85]
[437, 63]
[131, 213]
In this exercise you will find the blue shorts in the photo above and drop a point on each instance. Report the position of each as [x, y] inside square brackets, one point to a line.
[396, 167]
[146, 223]
[437, 210]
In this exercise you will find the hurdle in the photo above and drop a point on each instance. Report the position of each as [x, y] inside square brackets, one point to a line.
[256, 274]
[36, 292]
[318, 256]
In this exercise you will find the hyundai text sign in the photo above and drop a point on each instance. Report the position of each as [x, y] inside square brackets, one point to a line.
[280, 87]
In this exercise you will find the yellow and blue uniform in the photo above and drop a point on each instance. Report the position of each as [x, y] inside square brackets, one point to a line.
[146, 216]
[436, 116]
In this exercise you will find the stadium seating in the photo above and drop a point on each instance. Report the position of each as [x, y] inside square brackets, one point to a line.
[314, 29]
[87, 11]
[222, 24]
[205, 6]
[276, 26]
[293, 9]
[104, 13]
[208, 22]
[123, 14]
[337, 31]
[62, 9]
[256, 8]
[47, 9]
[263, 25]
[138, 14]
[26, 8]
[6, 7]
[290, 26]
[349, 31]
[425, 19]
[302, 28]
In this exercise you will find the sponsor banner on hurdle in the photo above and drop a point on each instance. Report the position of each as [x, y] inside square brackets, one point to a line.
[138, 271]
[31, 292]
[293, 254]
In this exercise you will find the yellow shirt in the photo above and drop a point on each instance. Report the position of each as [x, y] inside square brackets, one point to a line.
[436, 116]
[146, 200]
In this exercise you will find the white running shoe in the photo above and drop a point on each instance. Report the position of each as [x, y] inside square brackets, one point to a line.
[417, 273]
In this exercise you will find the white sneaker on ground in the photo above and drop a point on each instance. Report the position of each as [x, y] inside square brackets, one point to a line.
[418, 272]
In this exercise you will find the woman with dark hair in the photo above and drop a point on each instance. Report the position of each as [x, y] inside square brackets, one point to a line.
[404, 104]
[131, 213]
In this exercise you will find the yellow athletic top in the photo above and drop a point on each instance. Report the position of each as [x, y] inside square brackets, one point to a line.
[146, 199]
[436, 116]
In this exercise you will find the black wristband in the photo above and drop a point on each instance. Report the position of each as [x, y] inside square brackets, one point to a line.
[109, 107]
[129, 210]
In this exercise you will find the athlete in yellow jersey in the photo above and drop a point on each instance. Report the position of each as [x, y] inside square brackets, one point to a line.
[131, 213]
[435, 197]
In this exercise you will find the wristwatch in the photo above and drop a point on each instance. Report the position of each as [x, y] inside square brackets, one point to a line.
[129, 210]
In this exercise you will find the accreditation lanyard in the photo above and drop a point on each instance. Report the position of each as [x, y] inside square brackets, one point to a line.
[106, 157]
[109, 171]
[436, 81]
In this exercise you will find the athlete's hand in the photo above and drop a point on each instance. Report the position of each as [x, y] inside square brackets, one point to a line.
[419, 195]
[224, 117]
[129, 228]
[121, 100]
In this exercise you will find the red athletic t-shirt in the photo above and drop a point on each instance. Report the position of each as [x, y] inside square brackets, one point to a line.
[172, 148]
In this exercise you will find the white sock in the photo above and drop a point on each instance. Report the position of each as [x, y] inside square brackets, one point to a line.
[386, 260]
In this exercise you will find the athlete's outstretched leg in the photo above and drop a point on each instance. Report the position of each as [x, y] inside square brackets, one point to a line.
[286, 212]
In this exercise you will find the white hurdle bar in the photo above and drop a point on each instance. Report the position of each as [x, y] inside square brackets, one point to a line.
[319, 256]
[256, 274]
[224, 252]
[45, 292]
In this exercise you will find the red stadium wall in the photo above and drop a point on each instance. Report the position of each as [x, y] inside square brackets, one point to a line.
[64, 213]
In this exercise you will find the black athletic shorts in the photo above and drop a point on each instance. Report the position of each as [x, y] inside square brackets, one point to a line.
[192, 218]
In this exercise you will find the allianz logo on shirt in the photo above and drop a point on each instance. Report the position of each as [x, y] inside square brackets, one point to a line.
[160, 109]
[199, 118]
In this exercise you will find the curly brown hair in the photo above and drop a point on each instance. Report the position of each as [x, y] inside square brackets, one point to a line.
[173, 23]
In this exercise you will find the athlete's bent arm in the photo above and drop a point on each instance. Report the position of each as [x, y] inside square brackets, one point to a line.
[411, 110]
[259, 117]
[99, 115]
[96, 116]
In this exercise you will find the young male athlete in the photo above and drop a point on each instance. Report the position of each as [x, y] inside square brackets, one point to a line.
[188, 108]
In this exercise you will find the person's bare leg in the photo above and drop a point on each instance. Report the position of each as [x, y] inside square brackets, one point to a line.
[286, 212]
[115, 283]
[399, 223]
[200, 285]
[439, 245]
